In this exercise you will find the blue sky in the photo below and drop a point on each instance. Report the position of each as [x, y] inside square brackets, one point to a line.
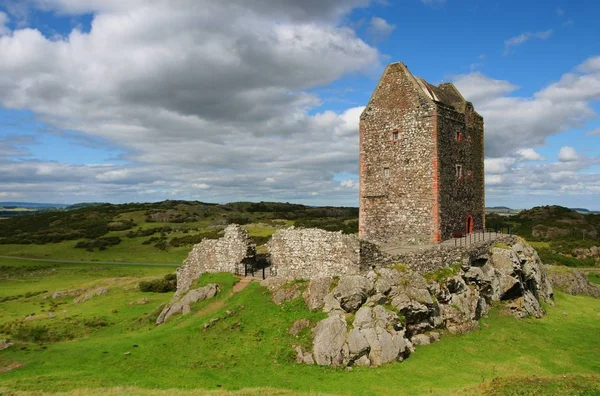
[125, 101]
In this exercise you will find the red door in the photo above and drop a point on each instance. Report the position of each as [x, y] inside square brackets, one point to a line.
[469, 224]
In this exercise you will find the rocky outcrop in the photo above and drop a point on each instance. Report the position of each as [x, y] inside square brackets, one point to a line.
[308, 253]
[314, 295]
[593, 252]
[571, 281]
[88, 296]
[182, 304]
[376, 317]
[228, 254]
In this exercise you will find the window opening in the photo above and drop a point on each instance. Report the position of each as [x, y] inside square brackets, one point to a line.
[395, 136]
[386, 172]
[459, 137]
[458, 171]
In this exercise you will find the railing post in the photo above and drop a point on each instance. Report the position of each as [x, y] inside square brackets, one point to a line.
[263, 273]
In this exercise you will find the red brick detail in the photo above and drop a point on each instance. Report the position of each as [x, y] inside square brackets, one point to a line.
[436, 182]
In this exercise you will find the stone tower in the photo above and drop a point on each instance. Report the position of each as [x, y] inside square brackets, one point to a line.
[421, 162]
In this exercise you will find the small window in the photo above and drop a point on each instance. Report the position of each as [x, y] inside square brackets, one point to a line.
[386, 172]
[459, 171]
[471, 175]
[395, 136]
[459, 137]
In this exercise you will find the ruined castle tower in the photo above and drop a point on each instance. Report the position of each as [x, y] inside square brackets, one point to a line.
[421, 162]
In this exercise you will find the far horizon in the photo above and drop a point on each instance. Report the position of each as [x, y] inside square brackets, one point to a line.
[16, 203]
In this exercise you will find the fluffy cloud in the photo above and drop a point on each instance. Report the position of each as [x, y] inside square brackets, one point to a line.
[379, 28]
[567, 154]
[524, 37]
[529, 154]
[591, 65]
[349, 184]
[514, 122]
[205, 100]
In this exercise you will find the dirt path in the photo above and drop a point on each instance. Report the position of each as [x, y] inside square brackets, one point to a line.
[216, 305]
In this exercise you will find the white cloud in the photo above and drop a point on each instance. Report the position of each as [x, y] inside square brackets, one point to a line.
[567, 154]
[479, 89]
[590, 65]
[527, 184]
[3, 24]
[492, 180]
[206, 93]
[529, 154]
[514, 122]
[496, 166]
[380, 29]
[348, 184]
[524, 37]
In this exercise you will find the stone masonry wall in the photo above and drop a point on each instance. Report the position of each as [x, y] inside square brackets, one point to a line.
[460, 196]
[308, 253]
[423, 261]
[396, 205]
[227, 254]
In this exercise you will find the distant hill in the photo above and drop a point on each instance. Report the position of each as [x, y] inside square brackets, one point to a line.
[558, 230]
[135, 220]
[501, 209]
[31, 205]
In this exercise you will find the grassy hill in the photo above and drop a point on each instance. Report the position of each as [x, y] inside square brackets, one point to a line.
[110, 342]
[555, 231]
[164, 232]
[161, 232]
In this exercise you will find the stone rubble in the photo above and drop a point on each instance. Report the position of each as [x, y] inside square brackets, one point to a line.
[88, 296]
[182, 304]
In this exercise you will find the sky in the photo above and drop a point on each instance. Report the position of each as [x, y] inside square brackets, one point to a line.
[249, 100]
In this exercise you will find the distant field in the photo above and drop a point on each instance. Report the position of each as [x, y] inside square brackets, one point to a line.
[162, 232]
[251, 349]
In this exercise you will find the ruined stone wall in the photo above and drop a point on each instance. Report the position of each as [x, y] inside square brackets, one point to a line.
[461, 193]
[396, 206]
[308, 253]
[431, 259]
[227, 254]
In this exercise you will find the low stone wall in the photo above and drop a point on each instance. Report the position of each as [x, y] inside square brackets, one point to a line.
[308, 253]
[433, 258]
[227, 254]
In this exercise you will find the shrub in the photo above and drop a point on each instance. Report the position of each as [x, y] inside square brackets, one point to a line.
[167, 284]
[100, 243]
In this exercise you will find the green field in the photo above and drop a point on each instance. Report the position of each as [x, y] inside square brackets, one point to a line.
[161, 232]
[83, 348]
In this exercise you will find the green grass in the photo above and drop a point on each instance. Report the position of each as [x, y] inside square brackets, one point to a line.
[129, 250]
[251, 348]
[594, 277]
